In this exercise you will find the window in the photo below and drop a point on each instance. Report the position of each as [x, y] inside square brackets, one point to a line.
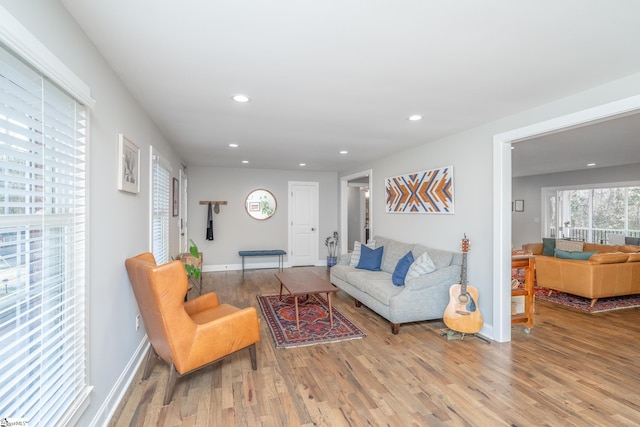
[43, 370]
[161, 208]
[590, 214]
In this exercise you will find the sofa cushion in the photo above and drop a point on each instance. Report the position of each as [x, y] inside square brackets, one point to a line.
[609, 258]
[341, 271]
[393, 251]
[628, 248]
[401, 269]
[597, 247]
[548, 246]
[632, 241]
[573, 254]
[382, 289]
[570, 245]
[370, 258]
[422, 265]
[360, 279]
[439, 257]
[635, 257]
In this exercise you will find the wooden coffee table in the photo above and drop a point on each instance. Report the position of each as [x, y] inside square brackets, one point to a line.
[301, 282]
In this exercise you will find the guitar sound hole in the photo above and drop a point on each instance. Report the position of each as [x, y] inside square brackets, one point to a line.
[463, 298]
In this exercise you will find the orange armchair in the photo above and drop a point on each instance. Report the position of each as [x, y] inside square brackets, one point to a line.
[187, 335]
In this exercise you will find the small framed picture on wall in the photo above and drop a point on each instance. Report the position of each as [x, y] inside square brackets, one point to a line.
[519, 206]
[128, 165]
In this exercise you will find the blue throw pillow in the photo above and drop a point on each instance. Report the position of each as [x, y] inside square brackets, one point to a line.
[573, 255]
[401, 269]
[370, 259]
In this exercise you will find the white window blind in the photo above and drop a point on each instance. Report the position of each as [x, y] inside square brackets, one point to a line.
[160, 205]
[43, 368]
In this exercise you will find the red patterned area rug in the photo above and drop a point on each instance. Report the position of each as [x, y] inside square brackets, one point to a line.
[314, 321]
[584, 304]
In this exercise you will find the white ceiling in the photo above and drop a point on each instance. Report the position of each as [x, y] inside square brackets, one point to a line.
[332, 75]
[613, 142]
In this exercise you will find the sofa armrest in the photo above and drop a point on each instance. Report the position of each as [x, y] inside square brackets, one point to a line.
[448, 275]
[344, 259]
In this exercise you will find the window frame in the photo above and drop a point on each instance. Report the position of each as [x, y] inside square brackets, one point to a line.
[551, 195]
[44, 172]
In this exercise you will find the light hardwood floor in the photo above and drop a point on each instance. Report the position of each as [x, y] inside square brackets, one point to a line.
[573, 369]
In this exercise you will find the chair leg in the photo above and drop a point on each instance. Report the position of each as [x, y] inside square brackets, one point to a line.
[171, 382]
[150, 363]
[254, 359]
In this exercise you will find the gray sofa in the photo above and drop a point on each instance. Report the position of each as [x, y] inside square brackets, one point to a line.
[421, 298]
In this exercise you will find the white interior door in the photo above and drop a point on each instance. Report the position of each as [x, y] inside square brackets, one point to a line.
[303, 221]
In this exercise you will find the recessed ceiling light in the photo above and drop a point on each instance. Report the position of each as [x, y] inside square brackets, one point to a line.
[591, 164]
[245, 161]
[233, 145]
[415, 117]
[344, 152]
[241, 98]
[303, 164]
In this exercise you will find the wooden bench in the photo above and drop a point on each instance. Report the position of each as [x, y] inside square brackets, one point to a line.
[265, 252]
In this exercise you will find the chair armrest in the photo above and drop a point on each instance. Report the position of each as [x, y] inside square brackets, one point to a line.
[219, 338]
[202, 302]
[230, 332]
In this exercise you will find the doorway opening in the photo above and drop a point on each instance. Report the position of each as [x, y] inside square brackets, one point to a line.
[502, 176]
[356, 198]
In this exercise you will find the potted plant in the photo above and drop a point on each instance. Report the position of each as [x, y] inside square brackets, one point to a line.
[193, 263]
[331, 243]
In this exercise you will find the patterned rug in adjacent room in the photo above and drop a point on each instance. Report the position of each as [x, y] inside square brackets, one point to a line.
[314, 321]
[584, 304]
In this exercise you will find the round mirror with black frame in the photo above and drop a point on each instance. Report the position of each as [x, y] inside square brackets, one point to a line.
[261, 204]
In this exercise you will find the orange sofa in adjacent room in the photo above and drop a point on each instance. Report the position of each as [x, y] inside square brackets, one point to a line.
[611, 270]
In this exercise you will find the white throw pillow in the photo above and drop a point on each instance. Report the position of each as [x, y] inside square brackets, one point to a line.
[423, 265]
[357, 249]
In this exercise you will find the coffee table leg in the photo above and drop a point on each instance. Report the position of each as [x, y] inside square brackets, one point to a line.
[280, 297]
[297, 318]
[330, 309]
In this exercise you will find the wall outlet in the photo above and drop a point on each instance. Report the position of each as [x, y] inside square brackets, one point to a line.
[137, 322]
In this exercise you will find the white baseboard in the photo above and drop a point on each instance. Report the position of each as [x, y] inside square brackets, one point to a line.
[117, 393]
[248, 267]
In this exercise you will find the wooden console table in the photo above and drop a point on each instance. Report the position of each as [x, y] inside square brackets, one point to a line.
[527, 262]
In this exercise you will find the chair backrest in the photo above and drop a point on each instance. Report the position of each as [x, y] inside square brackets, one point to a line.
[159, 291]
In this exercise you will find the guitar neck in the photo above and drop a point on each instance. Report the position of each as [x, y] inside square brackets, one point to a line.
[463, 276]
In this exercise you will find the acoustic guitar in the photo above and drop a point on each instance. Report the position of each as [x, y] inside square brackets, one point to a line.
[462, 313]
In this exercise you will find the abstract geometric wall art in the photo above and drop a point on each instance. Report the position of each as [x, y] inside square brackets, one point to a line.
[421, 192]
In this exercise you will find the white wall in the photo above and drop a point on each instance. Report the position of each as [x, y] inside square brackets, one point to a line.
[119, 222]
[235, 230]
[529, 188]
